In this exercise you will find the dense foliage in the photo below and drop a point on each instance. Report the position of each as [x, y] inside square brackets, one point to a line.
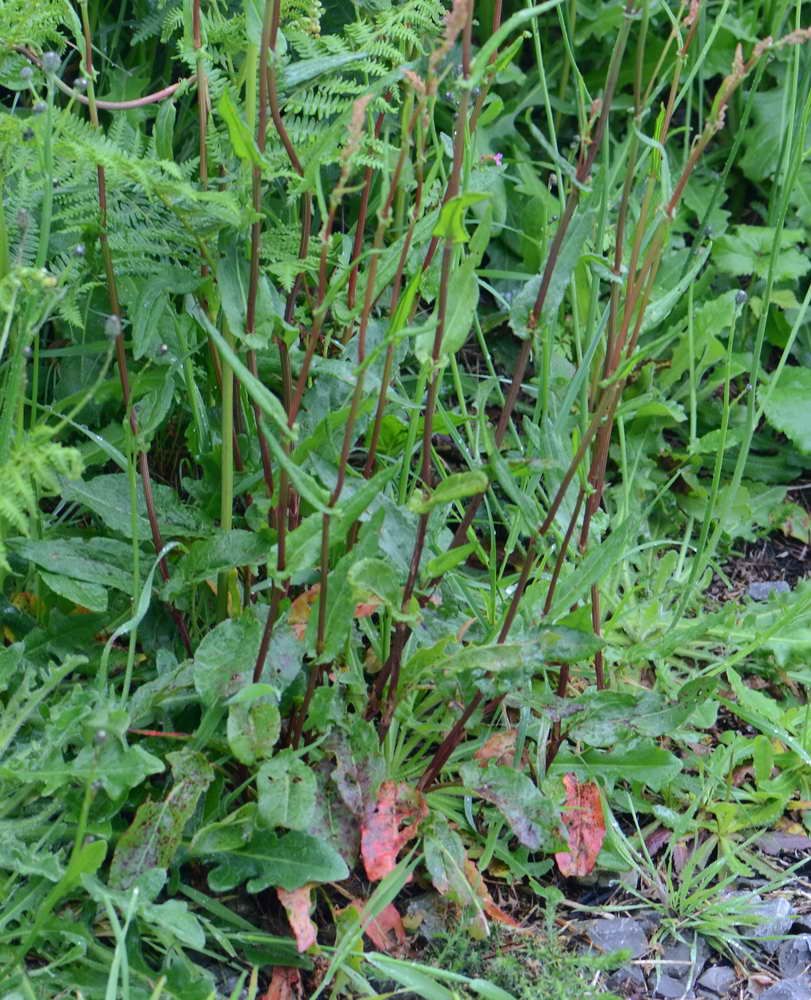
[382, 387]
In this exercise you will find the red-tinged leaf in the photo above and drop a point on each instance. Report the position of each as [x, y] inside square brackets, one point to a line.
[386, 931]
[366, 608]
[389, 824]
[657, 840]
[299, 613]
[489, 906]
[500, 747]
[297, 905]
[285, 984]
[585, 827]
[300, 610]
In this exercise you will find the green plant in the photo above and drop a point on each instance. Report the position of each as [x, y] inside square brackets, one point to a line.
[525, 965]
[436, 400]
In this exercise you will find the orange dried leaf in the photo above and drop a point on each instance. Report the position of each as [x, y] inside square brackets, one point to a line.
[297, 905]
[489, 906]
[386, 931]
[389, 824]
[585, 827]
[500, 747]
[299, 613]
[366, 608]
[285, 984]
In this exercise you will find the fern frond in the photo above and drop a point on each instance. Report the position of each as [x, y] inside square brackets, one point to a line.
[34, 468]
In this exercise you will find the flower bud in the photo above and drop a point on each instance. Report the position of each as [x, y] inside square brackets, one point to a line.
[740, 297]
[112, 326]
[26, 73]
[51, 62]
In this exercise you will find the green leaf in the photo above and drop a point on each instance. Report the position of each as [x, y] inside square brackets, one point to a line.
[92, 596]
[639, 761]
[341, 593]
[253, 730]
[25, 859]
[233, 277]
[220, 551]
[290, 861]
[224, 658]
[786, 404]
[151, 310]
[570, 253]
[117, 768]
[164, 142]
[86, 861]
[576, 582]
[297, 73]
[463, 298]
[446, 561]
[108, 496]
[259, 393]
[88, 559]
[451, 221]
[552, 643]
[609, 716]
[660, 308]
[748, 249]
[286, 789]
[534, 817]
[445, 860]
[457, 486]
[376, 578]
[155, 834]
[226, 835]
[241, 137]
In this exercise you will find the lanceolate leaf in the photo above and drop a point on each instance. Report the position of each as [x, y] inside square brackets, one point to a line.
[297, 906]
[533, 816]
[638, 761]
[286, 789]
[155, 834]
[290, 861]
[389, 824]
[585, 827]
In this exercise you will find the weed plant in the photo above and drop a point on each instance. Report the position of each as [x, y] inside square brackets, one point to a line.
[382, 384]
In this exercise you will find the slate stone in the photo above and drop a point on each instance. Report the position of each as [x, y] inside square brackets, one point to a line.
[718, 978]
[673, 989]
[779, 918]
[789, 989]
[627, 979]
[677, 959]
[763, 589]
[783, 843]
[794, 956]
[611, 935]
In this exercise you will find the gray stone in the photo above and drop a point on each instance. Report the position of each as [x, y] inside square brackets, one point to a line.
[779, 918]
[789, 989]
[673, 989]
[763, 589]
[678, 959]
[794, 956]
[718, 978]
[611, 935]
[626, 979]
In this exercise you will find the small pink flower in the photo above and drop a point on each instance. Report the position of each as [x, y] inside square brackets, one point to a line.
[496, 158]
